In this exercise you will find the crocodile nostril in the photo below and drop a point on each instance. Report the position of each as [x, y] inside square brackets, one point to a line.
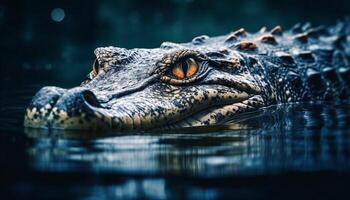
[90, 98]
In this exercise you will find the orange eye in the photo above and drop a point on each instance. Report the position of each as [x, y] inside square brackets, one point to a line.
[178, 71]
[192, 67]
[95, 68]
[185, 69]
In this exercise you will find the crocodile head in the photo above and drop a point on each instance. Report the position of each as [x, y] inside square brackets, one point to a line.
[177, 85]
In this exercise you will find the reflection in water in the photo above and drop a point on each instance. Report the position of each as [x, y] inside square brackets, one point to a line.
[279, 139]
[201, 163]
[197, 163]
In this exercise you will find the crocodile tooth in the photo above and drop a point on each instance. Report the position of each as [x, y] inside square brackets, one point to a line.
[276, 31]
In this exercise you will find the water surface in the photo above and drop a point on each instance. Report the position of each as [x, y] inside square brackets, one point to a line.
[295, 150]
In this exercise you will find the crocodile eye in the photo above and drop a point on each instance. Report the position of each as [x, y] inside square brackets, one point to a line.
[192, 67]
[95, 68]
[182, 67]
[185, 69]
[93, 73]
[178, 71]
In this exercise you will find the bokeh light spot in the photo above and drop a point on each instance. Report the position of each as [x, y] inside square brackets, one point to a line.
[57, 14]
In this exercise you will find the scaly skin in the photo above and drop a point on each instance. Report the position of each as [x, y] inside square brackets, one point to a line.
[136, 89]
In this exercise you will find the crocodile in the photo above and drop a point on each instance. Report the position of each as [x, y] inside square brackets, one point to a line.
[208, 81]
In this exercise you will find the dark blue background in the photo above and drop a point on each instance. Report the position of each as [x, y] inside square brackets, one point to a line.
[34, 46]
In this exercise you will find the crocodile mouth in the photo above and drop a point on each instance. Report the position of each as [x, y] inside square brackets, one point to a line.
[81, 109]
[217, 114]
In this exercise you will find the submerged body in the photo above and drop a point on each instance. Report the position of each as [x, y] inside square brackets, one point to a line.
[206, 81]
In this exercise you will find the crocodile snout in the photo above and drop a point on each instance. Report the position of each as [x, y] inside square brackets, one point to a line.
[58, 108]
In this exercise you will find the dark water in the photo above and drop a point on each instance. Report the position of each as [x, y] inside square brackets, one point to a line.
[285, 151]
